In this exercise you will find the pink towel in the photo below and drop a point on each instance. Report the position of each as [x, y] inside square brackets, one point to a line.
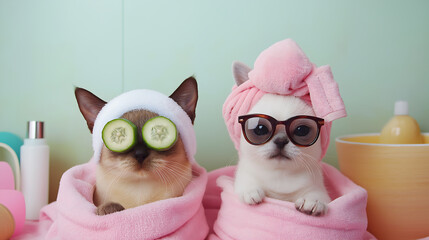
[274, 219]
[73, 215]
[284, 69]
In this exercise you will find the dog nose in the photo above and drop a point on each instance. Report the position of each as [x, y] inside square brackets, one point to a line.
[281, 142]
[141, 153]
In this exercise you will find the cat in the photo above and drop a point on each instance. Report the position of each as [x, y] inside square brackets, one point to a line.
[279, 169]
[141, 175]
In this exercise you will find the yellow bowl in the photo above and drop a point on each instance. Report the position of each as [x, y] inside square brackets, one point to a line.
[396, 177]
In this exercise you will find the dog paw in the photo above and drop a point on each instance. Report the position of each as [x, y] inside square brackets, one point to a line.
[253, 196]
[311, 206]
[108, 208]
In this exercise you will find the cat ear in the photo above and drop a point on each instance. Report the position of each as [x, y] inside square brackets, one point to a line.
[241, 72]
[89, 105]
[186, 95]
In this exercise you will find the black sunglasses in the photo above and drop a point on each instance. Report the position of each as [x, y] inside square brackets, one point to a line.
[302, 130]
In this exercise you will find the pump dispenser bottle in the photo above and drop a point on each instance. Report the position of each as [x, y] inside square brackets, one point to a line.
[402, 128]
[35, 170]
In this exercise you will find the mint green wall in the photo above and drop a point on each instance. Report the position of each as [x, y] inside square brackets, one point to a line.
[378, 51]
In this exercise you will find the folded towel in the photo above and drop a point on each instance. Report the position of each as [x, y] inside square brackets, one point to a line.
[276, 219]
[73, 216]
[284, 69]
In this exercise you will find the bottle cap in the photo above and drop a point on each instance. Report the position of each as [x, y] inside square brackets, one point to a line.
[35, 129]
[401, 108]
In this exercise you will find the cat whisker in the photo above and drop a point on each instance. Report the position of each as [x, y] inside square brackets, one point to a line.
[178, 165]
[179, 176]
[312, 164]
[307, 168]
[115, 180]
[168, 177]
[313, 160]
[177, 173]
[171, 181]
[163, 178]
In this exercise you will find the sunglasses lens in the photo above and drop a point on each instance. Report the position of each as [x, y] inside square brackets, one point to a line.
[258, 130]
[304, 131]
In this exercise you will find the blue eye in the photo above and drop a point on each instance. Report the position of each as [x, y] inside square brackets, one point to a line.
[261, 130]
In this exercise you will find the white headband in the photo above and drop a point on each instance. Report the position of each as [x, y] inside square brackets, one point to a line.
[151, 101]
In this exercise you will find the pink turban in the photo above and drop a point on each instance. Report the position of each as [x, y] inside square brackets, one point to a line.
[284, 69]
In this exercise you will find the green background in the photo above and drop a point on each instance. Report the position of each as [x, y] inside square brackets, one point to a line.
[378, 51]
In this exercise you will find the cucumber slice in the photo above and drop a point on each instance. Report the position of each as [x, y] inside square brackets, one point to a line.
[159, 133]
[119, 135]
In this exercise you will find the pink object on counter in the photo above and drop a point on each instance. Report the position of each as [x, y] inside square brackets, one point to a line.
[275, 219]
[6, 176]
[14, 201]
[284, 69]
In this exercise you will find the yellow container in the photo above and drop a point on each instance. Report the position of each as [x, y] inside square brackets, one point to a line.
[396, 177]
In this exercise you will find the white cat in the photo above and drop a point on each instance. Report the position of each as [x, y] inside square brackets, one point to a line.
[279, 168]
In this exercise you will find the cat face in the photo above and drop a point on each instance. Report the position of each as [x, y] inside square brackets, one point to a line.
[142, 162]
[279, 151]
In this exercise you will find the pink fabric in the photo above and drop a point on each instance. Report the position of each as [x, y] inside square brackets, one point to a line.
[284, 69]
[229, 218]
[73, 216]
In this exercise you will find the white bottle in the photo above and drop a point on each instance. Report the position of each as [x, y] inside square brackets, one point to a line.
[35, 170]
